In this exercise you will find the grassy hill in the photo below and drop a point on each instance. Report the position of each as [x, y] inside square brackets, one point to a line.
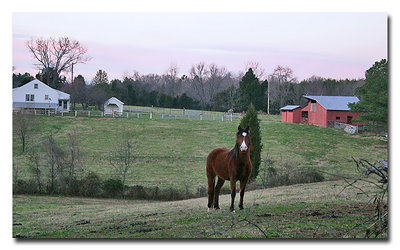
[320, 210]
[172, 153]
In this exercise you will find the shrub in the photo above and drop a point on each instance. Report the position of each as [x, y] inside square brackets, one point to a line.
[251, 120]
[112, 187]
[25, 187]
[91, 185]
[288, 174]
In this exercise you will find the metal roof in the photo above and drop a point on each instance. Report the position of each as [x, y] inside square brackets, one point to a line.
[334, 102]
[290, 107]
[113, 100]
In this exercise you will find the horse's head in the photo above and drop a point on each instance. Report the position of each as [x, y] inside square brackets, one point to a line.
[243, 138]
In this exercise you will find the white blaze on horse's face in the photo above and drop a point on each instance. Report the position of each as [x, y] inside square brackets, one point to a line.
[244, 147]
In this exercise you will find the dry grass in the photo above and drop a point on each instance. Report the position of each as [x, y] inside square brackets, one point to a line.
[300, 211]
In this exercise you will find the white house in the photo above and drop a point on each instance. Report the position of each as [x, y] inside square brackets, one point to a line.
[113, 106]
[37, 95]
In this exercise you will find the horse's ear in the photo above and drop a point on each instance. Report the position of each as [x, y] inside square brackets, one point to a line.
[239, 128]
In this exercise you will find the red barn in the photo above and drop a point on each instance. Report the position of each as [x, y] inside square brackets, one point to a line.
[291, 113]
[321, 110]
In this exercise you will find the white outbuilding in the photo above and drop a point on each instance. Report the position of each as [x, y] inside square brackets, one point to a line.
[113, 106]
[37, 95]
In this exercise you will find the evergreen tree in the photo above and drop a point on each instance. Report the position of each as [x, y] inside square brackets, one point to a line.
[251, 120]
[252, 91]
[373, 96]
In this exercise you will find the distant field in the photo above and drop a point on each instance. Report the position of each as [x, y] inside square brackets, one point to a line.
[317, 210]
[172, 153]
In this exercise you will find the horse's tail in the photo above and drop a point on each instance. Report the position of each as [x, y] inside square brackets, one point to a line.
[209, 163]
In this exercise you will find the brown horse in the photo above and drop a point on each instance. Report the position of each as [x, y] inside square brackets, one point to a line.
[233, 165]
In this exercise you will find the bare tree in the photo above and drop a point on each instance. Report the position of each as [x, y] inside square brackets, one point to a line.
[217, 76]
[199, 73]
[57, 54]
[35, 166]
[257, 68]
[122, 159]
[73, 160]
[23, 126]
[280, 85]
[54, 163]
[172, 84]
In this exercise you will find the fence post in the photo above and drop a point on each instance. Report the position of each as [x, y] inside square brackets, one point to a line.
[35, 112]
[127, 114]
[231, 116]
[62, 113]
[151, 115]
[89, 113]
[201, 117]
[162, 116]
[138, 115]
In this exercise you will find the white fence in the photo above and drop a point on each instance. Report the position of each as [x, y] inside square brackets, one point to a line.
[136, 114]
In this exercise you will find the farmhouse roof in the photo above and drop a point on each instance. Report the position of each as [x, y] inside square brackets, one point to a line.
[43, 88]
[290, 107]
[334, 102]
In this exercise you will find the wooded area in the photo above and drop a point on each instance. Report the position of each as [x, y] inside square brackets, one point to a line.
[207, 87]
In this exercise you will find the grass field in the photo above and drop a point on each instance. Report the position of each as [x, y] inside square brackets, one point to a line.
[318, 210]
[172, 153]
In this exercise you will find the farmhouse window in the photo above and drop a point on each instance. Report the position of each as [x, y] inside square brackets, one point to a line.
[29, 98]
[304, 114]
[59, 103]
[35, 86]
[337, 117]
[46, 97]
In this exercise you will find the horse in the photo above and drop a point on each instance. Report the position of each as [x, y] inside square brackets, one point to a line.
[232, 165]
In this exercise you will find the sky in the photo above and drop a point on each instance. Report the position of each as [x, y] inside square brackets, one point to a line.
[335, 45]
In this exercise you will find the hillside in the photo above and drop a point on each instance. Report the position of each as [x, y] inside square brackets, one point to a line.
[172, 153]
[322, 210]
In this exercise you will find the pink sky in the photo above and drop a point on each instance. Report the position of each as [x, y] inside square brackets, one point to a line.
[331, 45]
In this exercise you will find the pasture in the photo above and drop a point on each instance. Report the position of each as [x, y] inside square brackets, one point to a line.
[318, 210]
[172, 154]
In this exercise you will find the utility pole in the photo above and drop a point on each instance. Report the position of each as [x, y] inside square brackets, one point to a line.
[269, 82]
[72, 73]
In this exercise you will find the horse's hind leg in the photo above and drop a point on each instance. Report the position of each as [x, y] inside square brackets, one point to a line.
[211, 184]
[220, 183]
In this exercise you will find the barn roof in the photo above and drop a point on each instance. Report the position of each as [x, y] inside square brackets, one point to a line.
[334, 102]
[290, 107]
[113, 100]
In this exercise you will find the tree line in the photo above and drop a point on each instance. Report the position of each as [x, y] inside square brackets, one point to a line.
[207, 87]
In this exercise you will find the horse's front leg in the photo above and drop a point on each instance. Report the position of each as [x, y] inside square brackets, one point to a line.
[242, 188]
[233, 194]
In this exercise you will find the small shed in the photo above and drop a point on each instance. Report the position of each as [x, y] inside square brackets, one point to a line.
[291, 113]
[113, 106]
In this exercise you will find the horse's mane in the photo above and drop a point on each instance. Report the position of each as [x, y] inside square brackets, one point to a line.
[234, 152]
